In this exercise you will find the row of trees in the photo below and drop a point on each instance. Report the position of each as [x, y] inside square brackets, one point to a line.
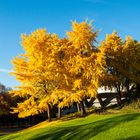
[3, 88]
[60, 72]
[5, 100]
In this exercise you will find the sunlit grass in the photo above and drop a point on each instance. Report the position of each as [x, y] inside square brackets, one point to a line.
[96, 127]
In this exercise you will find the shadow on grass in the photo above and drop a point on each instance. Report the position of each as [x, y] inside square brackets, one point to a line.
[87, 131]
[5, 131]
[137, 137]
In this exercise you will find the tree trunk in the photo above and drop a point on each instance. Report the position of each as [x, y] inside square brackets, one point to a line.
[100, 101]
[29, 120]
[127, 89]
[119, 95]
[119, 98]
[82, 107]
[59, 113]
[92, 101]
[87, 103]
[49, 112]
[33, 119]
[78, 107]
[138, 90]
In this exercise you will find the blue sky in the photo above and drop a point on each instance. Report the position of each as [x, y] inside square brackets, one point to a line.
[25, 16]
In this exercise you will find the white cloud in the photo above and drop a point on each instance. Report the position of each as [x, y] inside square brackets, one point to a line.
[5, 70]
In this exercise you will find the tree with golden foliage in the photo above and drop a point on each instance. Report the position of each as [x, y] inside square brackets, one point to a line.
[37, 70]
[112, 47]
[122, 63]
[131, 66]
[85, 65]
[55, 71]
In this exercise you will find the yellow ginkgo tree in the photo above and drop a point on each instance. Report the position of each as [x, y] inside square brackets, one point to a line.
[37, 70]
[55, 71]
[131, 66]
[112, 47]
[85, 64]
[122, 63]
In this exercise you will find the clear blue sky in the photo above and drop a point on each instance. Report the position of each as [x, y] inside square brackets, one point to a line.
[24, 16]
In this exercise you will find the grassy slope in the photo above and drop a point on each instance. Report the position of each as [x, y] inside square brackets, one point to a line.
[100, 127]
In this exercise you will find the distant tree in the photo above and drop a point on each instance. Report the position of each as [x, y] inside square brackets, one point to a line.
[113, 78]
[131, 58]
[5, 100]
[2, 88]
[4, 105]
[122, 63]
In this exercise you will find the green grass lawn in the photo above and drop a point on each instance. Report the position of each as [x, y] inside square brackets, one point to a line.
[97, 127]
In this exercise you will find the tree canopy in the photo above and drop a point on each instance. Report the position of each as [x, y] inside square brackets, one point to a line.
[55, 71]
